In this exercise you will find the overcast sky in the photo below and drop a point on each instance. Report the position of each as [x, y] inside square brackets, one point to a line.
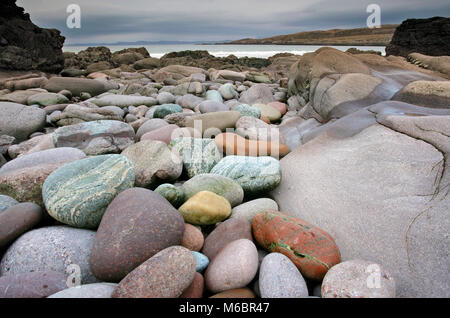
[210, 20]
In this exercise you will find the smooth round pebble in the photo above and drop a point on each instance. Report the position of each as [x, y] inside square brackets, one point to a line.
[193, 238]
[201, 260]
[225, 233]
[165, 275]
[234, 266]
[58, 248]
[358, 279]
[205, 208]
[171, 193]
[280, 278]
[78, 193]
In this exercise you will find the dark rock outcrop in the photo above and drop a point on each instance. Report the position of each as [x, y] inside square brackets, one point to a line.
[427, 36]
[25, 46]
[205, 60]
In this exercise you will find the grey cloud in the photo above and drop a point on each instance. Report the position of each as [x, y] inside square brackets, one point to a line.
[132, 20]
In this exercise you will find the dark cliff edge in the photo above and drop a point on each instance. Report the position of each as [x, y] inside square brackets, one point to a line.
[426, 36]
[25, 46]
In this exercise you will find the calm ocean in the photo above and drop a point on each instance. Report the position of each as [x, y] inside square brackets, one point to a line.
[263, 51]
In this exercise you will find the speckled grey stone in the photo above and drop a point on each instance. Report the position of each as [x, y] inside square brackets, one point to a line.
[6, 202]
[20, 121]
[280, 278]
[96, 137]
[51, 248]
[248, 210]
[78, 193]
[32, 285]
[256, 175]
[96, 290]
[152, 162]
[199, 155]
[50, 156]
[220, 185]
[358, 279]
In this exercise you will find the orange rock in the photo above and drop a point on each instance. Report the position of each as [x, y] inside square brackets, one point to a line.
[195, 289]
[233, 144]
[265, 119]
[281, 107]
[311, 249]
[235, 293]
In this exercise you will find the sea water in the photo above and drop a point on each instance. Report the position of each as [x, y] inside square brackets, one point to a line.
[262, 51]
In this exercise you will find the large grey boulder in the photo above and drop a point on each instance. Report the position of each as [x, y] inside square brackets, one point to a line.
[377, 181]
[20, 121]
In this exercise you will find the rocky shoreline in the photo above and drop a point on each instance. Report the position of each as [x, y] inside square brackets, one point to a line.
[322, 175]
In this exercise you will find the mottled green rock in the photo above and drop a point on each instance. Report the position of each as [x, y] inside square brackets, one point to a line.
[199, 155]
[247, 110]
[167, 109]
[47, 99]
[214, 95]
[256, 175]
[220, 185]
[172, 194]
[78, 193]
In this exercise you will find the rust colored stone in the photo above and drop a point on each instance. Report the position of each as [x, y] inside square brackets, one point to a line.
[193, 238]
[195, 289]
[233, 144]
[311, 249]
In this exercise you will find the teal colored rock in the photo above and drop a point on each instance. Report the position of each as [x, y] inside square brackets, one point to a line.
[202, 261]
[167, 109]
[199, 155]
[172, 194]
[78, 193]
[220, 185]
[247, 110]
[214, 95]
[6, 202]
[228, 92]
[256, 175]
[123, 100]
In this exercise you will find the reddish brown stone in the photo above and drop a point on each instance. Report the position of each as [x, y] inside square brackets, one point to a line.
[265, 119]
[227, 232]
[195, 289]
[17, 220]
[137, 224]
[25, 185]
[311, 249]
[193, 238]
[165, 275]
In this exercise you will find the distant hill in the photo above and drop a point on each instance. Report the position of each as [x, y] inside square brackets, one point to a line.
[361, 37]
